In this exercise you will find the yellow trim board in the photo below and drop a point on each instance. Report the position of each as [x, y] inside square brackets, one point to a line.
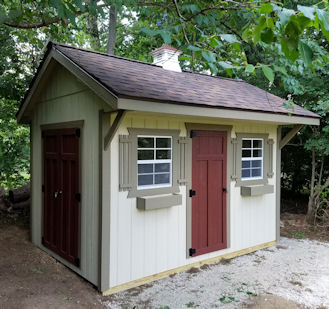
[164, 274]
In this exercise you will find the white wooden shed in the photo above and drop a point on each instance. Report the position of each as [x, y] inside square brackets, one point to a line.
[140, 171]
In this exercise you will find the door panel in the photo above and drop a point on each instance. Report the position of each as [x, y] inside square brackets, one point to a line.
[209, 159]
[61, 185]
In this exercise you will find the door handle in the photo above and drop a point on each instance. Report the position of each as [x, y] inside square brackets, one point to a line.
[58, 193]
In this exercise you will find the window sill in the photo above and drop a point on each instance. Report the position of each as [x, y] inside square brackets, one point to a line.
[256, 190]
[158, 201]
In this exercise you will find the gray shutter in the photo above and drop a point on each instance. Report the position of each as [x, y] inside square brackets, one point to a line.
[125, 162]
[234, 142]
[270, 172]
[184, 165]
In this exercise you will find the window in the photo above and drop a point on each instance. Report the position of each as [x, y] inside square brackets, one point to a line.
[252, 158]
[154, 162]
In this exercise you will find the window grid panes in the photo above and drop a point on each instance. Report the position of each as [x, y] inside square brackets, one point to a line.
[154, 162]
[252, 158]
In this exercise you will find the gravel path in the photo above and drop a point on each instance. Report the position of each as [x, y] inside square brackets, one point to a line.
[297, 270]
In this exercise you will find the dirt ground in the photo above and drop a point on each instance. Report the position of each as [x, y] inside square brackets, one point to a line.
[30, 278]
[295, 226]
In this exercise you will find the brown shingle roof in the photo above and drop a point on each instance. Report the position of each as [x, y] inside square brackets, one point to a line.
[138, 80]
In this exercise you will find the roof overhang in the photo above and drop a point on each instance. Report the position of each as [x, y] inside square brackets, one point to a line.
[53, 54]
[213, 112]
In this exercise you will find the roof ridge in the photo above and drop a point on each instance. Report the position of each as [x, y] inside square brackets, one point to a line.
[101, 53]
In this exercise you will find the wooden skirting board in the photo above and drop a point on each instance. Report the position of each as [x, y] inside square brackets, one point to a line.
[148, 279]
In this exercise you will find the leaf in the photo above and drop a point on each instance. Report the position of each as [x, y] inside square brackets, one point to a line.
[265, 8]
[148, 31]
[236, 46]
[306, 53]
[249, 68]
[324, 18]
[230, 38]
[225, 65]
[193, 8]
[290, 39]
[267, 36]
[213, 68]
[209, 56]
[325, 32]
[268, 72]
[193, 48]
[214, 42]
[307, 11]
[258, 29]
[165, 37]
[280, 69]
[283, 13]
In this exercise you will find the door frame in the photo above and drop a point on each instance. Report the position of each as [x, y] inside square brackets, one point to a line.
[207, 127]
[62, 126]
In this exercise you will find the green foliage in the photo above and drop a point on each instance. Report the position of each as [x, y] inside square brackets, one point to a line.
[298, 235]
[227, 299]
[14, 147]
[279, 47]
[192, 304]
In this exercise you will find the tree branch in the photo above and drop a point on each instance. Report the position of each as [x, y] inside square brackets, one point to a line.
[44, 22]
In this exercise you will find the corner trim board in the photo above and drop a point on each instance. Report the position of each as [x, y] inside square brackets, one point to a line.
[148, 279]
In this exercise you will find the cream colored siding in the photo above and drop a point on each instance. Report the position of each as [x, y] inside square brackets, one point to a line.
[143, 243]
[64, 99]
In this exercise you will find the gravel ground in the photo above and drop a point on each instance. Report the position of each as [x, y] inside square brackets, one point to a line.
[295, 270]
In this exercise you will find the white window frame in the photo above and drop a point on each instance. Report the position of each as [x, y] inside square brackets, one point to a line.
[155, 161]
[253, 158]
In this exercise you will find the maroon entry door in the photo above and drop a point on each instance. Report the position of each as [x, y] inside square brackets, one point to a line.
[61, 193]
[209, 156]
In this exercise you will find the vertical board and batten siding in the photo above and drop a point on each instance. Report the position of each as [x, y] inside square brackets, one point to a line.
[64, 99]
[143, 243]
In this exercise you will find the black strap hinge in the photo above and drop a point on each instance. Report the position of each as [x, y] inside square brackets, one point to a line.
[192, 193]
[192, 251]
[192, 134]
[78, 197]
[77, 262]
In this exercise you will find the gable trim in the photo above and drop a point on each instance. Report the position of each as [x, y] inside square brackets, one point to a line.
[107, 96]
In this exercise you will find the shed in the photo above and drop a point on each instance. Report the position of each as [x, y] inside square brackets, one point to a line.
[140, 171]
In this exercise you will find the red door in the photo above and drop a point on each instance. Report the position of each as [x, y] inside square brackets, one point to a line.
[61, 193]
[209, 155]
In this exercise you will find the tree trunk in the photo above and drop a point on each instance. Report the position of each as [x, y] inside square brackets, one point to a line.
[92, 23]
[111, 40]
[20, 194]
[309, 216]
[24, 205]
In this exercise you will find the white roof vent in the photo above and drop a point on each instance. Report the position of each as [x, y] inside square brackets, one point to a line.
[167, 57]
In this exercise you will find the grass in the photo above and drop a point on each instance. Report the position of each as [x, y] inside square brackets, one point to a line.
[298, 235]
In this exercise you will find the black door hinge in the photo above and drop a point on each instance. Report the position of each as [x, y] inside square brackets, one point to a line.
[77, 132]
[192, 193]
[192, 134]
[192, 251]
[43, 188]
[77, 262]
[78, 197]
[224, 190]
[42, 240]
